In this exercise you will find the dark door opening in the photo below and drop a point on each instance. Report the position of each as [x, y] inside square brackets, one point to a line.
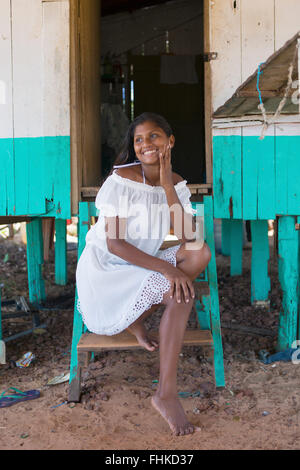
[152, 60]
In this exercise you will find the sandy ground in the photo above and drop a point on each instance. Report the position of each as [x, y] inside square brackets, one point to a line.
[258, 409]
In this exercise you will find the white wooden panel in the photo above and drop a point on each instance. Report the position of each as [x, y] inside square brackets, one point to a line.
[56, 88]
[6, 116]
[226, 41]
[292, 129]
[27, 66]
[227, 131]
[258, 41]
[253, 131]
[287, 23]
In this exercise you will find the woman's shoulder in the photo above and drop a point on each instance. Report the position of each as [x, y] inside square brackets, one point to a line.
[130, 173]
[177, 178]
[135, 174]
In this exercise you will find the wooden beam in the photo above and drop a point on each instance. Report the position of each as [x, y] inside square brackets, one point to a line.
[207, 94]
[75, 106]
[254, 94]
[92, 191]
[124, 340]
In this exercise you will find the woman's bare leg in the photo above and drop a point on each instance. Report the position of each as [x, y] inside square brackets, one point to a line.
[171, 334]
[139, 330]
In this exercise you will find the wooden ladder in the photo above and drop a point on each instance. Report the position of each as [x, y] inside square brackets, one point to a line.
[206, 304]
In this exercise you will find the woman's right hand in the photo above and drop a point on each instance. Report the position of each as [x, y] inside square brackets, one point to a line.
[180, 284]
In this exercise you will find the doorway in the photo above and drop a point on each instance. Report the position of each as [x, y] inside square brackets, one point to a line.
[126, 62]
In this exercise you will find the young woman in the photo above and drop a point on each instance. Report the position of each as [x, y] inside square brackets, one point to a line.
[123, 276]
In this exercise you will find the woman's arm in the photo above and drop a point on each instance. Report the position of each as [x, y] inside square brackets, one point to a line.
[117, 245]
[115, 238]
[182, 223]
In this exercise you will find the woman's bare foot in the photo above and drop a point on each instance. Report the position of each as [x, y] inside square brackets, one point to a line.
[171, 410]
[142, 336]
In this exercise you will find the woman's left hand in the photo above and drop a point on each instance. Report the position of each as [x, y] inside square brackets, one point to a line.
[166, 174]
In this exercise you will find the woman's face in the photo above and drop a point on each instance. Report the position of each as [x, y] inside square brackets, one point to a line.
[149, 140]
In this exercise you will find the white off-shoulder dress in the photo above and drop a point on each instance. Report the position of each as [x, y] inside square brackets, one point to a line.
[112, 293]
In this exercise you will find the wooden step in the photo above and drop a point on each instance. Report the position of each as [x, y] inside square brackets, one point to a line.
[91, 342]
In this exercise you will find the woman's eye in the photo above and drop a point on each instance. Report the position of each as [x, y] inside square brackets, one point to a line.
[154, 135]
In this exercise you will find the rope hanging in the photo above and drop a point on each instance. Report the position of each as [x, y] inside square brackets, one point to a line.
[288, 87]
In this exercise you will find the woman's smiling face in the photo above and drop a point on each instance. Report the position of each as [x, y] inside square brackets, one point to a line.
[150, 139]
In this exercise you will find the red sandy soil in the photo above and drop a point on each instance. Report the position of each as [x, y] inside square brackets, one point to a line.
[115, 410]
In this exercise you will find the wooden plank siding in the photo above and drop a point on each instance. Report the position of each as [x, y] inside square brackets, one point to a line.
[258, 174]
[6, 113]
[34, 120]
[287, 169]
[244, 34]
[256, 179]
[227, 173]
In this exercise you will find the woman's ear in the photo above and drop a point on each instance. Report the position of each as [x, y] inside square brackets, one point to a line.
[172, 141]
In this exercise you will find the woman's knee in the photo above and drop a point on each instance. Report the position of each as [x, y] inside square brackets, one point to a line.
[206, 253]
[200, 255]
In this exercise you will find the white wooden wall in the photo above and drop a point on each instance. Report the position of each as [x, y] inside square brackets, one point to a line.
[245, 36]
[6, 115]
[34, 70]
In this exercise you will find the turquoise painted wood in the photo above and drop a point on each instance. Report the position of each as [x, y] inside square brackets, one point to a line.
[203, 312]
[202, 305]
[236, 247]
[7, 200]
[260, 280]
[266, 187]
[287, 175]
[28, 183]
[214, 293]
[226, 231]
[83, 228]
[257, 178]
[288, 266]
[227, 177]
[1, 337]
[270, 170]
[35, 177]
[61, 273]
[298, 221]
[35, 260]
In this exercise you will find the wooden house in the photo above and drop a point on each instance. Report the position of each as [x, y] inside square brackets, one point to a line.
[55, 77]
[256, 138]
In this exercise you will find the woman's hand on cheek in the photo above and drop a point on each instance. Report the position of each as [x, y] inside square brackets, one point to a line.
[166, 174]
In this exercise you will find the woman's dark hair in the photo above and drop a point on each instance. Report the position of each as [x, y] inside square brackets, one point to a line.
[127, 153]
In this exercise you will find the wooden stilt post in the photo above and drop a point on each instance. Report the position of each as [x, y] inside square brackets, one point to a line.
[260, 281]
[226, 237]
[61, 276]
[298, 231]
[75, 369]
[214, 294]
[288, 266]
[203, 312]
[35, 260]
[236, 247]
